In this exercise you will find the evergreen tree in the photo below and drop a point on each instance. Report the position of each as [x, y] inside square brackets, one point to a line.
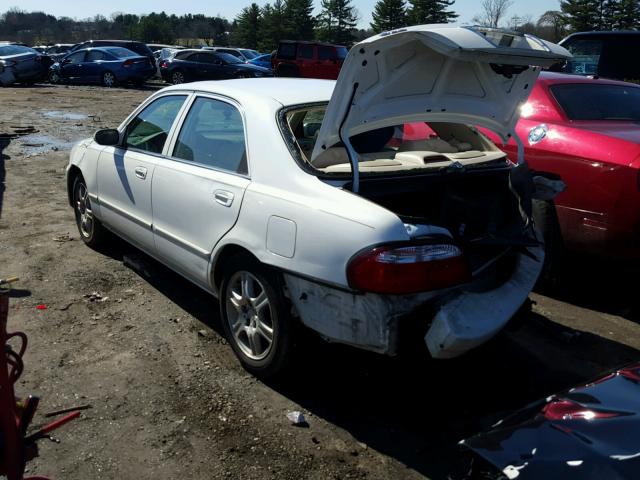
[299, 22]
[430, 11]
[247, 26]
[582, 15]
[628, 15]
[337, 21]
[272, 28]
[388, 15]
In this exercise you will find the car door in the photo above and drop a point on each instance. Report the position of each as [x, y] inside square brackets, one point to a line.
[306, 62]
[71, 66]
[198, 190]
[93, 65]
[213, 65]
[198, 68]
[125, 172]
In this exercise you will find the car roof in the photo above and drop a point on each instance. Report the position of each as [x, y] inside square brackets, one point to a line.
[555, 78]
[311, 42]
[598, 33]
[249, 91]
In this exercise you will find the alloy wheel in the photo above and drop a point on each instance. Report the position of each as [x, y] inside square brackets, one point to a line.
[177, 78]
[249, 314]
[108, 79]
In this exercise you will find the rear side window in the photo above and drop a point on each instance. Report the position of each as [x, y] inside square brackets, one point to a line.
[15, 50]
[586, 56]
[213, 135]
[149, 129]
[183, 55]
[605, 102]
[326, 53]
[287, 51]
[306, 51]
[95, 55]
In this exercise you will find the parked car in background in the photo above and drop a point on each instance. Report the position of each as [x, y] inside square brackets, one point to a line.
[604, 54]
[586, 131]
[308, 60]
[57, 51]
[193, 65]
[591, 431]
[263, 61]
[40, 48]
[20, 64]
[154, 47]
[244, 54]
[137, 47]
[105, 65]
[256, 187]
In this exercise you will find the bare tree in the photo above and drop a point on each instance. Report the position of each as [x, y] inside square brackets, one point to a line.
[556, 21]
[492, 12]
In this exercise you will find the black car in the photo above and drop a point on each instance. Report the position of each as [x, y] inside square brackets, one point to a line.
[19, 64]
[58, 50]
[137, 47]
[193, 65]
[602, 54]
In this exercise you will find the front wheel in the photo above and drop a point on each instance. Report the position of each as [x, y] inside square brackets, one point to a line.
[91, 230]
[54, 77]
[255, 316]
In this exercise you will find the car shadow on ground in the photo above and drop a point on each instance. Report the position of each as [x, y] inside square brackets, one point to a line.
[604, 285]
[413, 408]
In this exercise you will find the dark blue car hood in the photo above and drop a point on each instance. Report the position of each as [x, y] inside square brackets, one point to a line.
[588, 432]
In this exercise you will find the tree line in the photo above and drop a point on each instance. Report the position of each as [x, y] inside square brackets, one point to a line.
[262, 27]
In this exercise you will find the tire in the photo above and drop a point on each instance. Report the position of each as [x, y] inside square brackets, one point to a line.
[256, 316]
[546, 220]
[109, 79]
[177, 77]
[91, 230]
[54, 77]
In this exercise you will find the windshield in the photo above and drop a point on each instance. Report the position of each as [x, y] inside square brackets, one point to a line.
[406, 147]
[228, 58]
[250, 54]
[586, 55]
[9, 50]
[605, 102]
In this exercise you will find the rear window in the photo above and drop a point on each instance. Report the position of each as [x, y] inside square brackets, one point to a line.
[586, 56]
[287, 50]
[9, 50]
[605, 102]
[326, 53]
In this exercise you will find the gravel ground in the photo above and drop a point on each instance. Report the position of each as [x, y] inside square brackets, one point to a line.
[144, 348]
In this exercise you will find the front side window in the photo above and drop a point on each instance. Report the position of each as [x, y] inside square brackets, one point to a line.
[287, 50]
[213, 135]
[76, 57]
[605, 102]
[148, 131]
[586, 55]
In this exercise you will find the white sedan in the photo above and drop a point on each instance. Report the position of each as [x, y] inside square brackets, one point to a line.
[345, 205]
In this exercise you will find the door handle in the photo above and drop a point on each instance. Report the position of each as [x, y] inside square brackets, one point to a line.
[223, 197]
[141, 172]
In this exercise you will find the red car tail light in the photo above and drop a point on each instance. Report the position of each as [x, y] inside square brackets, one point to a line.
[127, 63]
[164, 64]
[568, 410]
[400, 270]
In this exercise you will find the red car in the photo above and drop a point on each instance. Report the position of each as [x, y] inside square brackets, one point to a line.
[308, 59]
[587, 131]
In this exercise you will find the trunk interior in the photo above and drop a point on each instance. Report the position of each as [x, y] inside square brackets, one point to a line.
[478, 208]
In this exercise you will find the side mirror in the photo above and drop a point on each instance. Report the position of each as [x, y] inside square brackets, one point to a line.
[107, 136]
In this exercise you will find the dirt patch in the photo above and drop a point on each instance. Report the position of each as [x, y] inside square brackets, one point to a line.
[143, 347]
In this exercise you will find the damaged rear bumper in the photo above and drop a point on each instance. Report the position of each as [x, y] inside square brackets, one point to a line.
[464, 320]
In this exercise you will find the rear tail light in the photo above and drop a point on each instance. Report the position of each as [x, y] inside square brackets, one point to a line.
[127, 63]
[568, 410]
[403, 270]
[164, 64]
[38, 58]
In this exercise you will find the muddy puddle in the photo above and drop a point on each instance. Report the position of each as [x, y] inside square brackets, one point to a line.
[39, 144]
[60, 115]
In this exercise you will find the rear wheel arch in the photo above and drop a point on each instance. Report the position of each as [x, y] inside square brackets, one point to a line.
[222, 259]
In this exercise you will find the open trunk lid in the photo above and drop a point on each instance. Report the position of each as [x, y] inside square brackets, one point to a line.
[442, 73]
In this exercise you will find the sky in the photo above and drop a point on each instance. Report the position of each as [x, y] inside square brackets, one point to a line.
[467, 9]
